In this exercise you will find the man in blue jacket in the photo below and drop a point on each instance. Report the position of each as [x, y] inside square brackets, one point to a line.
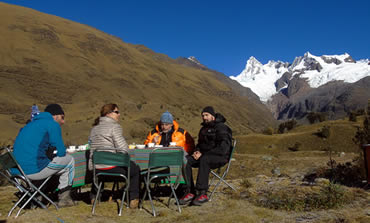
[32, 144]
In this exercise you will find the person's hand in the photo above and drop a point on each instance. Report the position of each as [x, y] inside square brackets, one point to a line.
[156, 139]
[197, 155]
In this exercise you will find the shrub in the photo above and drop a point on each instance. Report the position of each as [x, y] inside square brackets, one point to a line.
[295, 147]
[246, 183]
[329, 196]
[322, 117]
[268, 131]
[345, 174]
[324, 132]
[139, 106]
[363, 133]
[352, 117]
[311, 117]
[289, 125]
[316, 116]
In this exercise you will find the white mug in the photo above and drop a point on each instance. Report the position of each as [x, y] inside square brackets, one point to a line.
[151, 144]
[172, 143]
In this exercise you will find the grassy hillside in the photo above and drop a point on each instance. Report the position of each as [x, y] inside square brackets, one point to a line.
[340, 140]
[47, 59]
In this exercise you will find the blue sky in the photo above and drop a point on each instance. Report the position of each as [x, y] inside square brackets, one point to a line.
[223, 34]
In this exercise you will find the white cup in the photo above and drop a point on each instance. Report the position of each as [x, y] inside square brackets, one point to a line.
[72, 148]
[150, 145]
[172, 143]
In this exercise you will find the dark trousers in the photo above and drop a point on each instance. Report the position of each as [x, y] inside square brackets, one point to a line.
[205, 163]
[134, 178]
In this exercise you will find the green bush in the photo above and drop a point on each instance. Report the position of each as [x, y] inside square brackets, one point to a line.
[295, 147]
[329, 196]
[316, 116]
[324, 132]
[352, 117]
[288, 125]
[363, 133]
[268, 131]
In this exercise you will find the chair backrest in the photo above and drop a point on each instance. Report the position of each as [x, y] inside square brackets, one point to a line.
[10, 168]
[166, 157]
[112, 159]
[230, 157]
[233, 142]
[7, 161]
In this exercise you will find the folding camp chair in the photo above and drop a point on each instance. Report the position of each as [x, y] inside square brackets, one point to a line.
[27, 189]
[217, 174]
[161, 159]
[116, 158]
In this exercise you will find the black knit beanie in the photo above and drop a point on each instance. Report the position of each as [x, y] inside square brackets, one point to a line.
[54, 109]
[210, 110]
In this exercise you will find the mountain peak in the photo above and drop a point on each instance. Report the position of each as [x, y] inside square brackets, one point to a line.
[316, 70]
[308, 54]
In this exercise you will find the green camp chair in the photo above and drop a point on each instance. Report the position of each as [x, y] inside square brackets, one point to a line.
[160, 159]
[113, 158]
[218, 174]
[27, 189]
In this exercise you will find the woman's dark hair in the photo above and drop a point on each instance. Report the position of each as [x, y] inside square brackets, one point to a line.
[106, 109]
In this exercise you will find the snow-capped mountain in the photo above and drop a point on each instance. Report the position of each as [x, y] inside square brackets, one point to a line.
[268, 79]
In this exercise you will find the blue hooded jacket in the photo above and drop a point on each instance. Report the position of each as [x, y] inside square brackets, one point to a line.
[34, 139]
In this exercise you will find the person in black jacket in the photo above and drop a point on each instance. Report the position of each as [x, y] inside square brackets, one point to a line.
[212, 151]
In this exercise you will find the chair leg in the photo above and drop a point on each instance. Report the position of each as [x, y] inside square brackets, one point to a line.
[36, 191]
[18, 202]
[96, 198]
[174, 194]
[122, 201]
[221, 179]
[150, 198]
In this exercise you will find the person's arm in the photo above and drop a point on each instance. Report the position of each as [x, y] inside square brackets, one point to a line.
[150, 138]
[189, 143]
[56, 140]
[118, 140]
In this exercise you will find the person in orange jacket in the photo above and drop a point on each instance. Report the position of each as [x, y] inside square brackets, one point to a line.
[167, 130]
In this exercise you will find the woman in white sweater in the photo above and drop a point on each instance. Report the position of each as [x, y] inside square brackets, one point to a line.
[107, 133]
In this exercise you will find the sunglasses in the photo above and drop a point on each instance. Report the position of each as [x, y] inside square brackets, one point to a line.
[117, 112]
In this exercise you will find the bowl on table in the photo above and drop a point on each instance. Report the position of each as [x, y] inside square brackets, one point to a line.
[140, 146]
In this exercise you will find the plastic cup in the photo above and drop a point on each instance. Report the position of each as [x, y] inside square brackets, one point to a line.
[151, 145]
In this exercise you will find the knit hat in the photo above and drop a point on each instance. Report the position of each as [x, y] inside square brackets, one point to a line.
[54, 109]
[166, 117]
[34, 111]
[210, 110]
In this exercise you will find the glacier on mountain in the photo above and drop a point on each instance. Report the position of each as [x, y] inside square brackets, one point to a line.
[262, 78]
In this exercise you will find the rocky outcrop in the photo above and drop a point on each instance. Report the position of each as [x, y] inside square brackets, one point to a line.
[336, 99]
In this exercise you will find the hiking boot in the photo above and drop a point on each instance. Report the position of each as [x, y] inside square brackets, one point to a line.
[200, 199]
[186, 199]
[65, 199]
[134, 204]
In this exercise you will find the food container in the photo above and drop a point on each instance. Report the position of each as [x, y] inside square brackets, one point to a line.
[140, 146]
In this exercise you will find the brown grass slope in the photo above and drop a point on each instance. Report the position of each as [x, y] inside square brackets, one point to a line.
[47, 59]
